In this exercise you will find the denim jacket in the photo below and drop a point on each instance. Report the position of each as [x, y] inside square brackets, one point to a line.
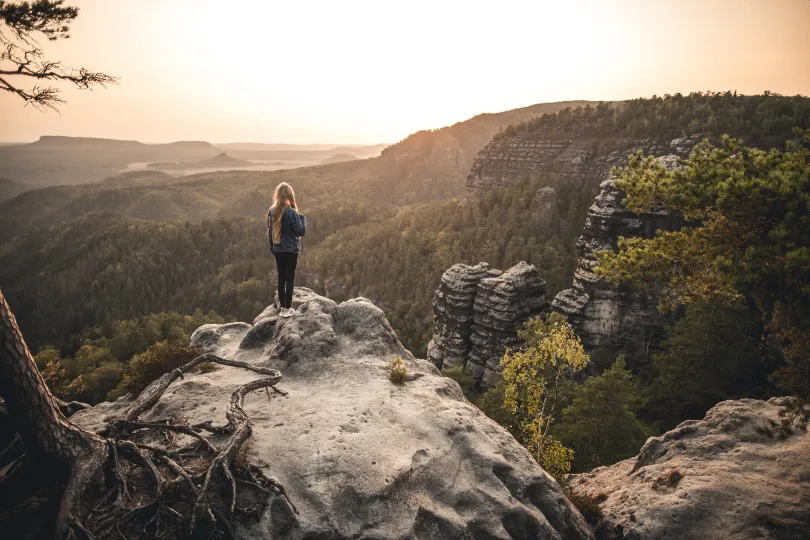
[293, 227]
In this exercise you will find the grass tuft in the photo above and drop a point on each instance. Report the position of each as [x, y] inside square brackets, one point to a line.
[398, 371]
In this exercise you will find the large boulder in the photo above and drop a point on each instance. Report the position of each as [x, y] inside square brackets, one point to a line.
[359, 456]
[735, 475]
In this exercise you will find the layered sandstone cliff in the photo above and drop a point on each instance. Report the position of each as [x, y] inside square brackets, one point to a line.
[603, 314]
[478, 312]
[580, 162]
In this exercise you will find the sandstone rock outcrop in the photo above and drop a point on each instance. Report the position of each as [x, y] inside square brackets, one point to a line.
[359, 456]
[601, 313]
[733, 475]
[580, 162]
[477, 313]
[453, 314]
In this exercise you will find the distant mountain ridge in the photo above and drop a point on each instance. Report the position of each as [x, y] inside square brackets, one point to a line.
[63, 140]
[427, 166]
[220, 160]
[59, 160]
[360, 149]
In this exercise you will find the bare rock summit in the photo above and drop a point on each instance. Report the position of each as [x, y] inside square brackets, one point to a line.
[362, 457]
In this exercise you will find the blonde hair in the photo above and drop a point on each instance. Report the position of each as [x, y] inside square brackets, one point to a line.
[282, 197]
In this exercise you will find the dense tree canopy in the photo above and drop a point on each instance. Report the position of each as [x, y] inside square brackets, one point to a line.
[765, 120]
[600, 424]
[713, 353]
[121, 356]
[749, 239]
[102, 268]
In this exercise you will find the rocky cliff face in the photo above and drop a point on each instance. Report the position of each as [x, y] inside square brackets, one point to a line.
[580, 162]
[604, 314]
[477, 313]
[733, 475]
[544, 210]
[361, 457]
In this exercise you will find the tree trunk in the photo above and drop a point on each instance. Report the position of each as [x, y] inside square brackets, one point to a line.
[51, 459]
[44, 430]
[52, 444]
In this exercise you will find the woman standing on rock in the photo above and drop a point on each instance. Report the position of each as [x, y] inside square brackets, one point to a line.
[285, 227]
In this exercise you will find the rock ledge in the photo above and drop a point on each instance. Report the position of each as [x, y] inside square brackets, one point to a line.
[360, 457]
[730, 476]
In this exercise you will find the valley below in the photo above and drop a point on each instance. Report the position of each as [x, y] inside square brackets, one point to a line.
[123, 262]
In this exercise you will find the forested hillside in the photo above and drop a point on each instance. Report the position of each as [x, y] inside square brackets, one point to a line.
[765, 120]
[101, 267]
[427, 166]
[10, 188]
[79, 258]
[398, 261]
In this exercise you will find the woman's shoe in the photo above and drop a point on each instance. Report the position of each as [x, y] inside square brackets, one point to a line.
[285, 313]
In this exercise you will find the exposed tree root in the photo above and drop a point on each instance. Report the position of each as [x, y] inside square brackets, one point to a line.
[69, 408]
[241, 428]
[153, 491]
[152, 394]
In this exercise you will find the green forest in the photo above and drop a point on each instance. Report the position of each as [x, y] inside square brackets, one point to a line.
[108, 283]
[101, 268]
[765, 120]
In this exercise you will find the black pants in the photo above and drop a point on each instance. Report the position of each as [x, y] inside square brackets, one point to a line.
[286, 262]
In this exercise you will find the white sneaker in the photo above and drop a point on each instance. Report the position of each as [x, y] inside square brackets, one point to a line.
[292, 310]
[285, 313]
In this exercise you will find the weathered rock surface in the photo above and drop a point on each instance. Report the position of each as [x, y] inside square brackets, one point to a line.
[729, 476]
[579, 162]
[360, 457]
[544, 210]
[477, 313]
[453, 314]
[604, 314]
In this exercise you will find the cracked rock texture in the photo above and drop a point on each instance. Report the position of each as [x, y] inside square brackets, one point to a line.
[478, 312]
[361, 457]
[731, 476]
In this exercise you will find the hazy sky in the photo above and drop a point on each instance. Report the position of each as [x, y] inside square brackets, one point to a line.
[367, 72]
